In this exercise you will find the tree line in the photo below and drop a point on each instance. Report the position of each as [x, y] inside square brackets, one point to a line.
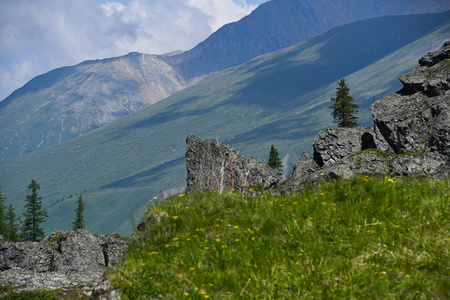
[29, 228]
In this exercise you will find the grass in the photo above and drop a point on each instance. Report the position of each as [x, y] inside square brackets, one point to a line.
[8, 293]
[364, 238]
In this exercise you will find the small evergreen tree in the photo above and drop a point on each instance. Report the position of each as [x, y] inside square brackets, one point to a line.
[33, 215]
[3, 220]
[274, 159]
[344, 108]
[79, 218]
[13, 225]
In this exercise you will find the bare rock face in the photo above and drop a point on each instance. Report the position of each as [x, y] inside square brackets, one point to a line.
[417, 118]
[73, 258]
[212, 165]
[333, 144]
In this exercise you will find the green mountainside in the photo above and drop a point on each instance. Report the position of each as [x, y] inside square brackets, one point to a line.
[280, 98]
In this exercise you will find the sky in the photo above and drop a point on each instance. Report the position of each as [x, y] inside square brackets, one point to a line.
[39, 36]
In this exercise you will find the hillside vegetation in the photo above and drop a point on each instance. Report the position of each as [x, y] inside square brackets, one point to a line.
[364, 238]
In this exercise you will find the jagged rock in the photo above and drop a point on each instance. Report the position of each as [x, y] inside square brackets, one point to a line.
[305, 172]
[371, 162]
[73, 258]
[417, 118]
[333, 144]
[78, 251]
[428, 164]
[432, 58]
[25, 256]
[212, 165]
[105, 291]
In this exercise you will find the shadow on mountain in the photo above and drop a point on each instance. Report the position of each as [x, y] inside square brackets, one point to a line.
[147, 176]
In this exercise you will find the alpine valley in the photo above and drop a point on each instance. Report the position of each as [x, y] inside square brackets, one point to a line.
[67, 102]
[279, 98]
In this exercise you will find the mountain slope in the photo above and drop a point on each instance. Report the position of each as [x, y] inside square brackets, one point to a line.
[280, 98]
[67, 102]
[278, 24]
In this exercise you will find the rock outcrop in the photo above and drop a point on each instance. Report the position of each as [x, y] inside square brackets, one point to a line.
[416, 119]
[213, 165]
[74, 258]
[334, 144]
[411, 137]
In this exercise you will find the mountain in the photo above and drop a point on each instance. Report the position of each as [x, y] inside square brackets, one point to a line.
[278, 24]
[280, 98]
[67, 102]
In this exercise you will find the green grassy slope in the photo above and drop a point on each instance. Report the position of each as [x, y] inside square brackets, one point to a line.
[280, 98]
[364, 238]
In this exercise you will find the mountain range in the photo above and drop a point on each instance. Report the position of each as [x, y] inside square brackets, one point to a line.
[70, 101]
[279, 98]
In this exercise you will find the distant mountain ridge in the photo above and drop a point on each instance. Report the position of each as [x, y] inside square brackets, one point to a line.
[70, 101]
[280, 98]
[278, 24]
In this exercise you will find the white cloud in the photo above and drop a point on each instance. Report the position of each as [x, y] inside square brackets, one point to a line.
[38, 36]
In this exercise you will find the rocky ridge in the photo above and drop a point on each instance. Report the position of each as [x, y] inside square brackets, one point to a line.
[63, 260]
[410, 137]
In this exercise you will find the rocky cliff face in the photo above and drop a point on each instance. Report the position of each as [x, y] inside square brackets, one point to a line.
[411, 137]
[74, 258]
[416, 119]
[213, 165]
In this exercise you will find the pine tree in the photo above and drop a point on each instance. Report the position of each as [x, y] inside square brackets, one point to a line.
[79, 218]
[344, 108]
[274, 159]
[3, 220]
[13, 225]
[33, 215]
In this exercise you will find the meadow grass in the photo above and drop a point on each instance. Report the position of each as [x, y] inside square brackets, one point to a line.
[364, 238]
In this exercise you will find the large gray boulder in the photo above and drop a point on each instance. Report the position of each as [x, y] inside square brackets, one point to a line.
[334, 144]
[213, 165]
[417, 118]
[73, 258]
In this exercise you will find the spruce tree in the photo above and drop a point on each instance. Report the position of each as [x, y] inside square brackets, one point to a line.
[79, 218]
[344, 108]
[3, 220]
[13, 225]
[33, 215]
[274, 159]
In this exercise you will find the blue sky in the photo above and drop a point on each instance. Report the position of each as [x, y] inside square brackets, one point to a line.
[38, 36]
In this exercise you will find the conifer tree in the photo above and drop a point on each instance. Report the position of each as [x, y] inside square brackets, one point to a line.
[13, 225]
[274, 159]
[79, 217]
[33, 215]
[344, 108]
[3, 220]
